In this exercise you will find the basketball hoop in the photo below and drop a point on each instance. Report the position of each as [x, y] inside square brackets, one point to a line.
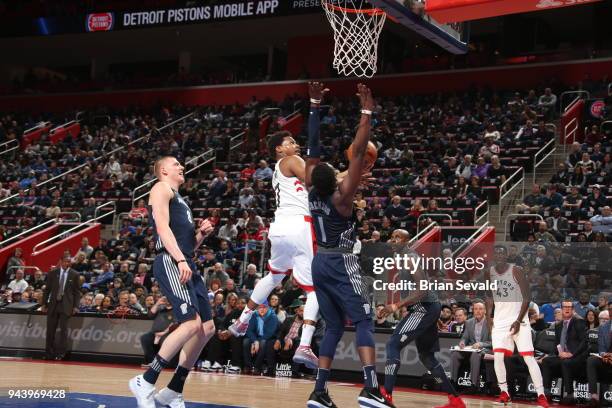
[357, 27]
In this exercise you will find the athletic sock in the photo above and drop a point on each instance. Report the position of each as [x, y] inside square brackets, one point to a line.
[369, 376]
[535, 373]
[321, 381]
[178, 379]
[391, 369]
[154, 369]
[500, 371]
[307, 332]
[441, 378]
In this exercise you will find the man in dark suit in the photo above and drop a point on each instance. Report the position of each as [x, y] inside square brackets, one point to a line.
[600, 366]
[569, 356]
[60, 301]
[558, 225]
[477, 336]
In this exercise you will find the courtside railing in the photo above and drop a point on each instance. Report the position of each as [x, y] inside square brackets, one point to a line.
[433, 215]
[515, 215]
[103, 156]
[45, 224]
[518, 177]
[424, 231]
[9, 146]
[477, 218]
[470, 239]
[65, 234]
[236, 141]
[572, 97]
[541, 156]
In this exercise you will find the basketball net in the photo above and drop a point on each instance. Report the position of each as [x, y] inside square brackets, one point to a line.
[356, 33]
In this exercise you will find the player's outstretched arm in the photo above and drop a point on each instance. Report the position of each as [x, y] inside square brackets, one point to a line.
[519, 275]
[415, 296]
[349, 185]
[159, 198]
[316, 92]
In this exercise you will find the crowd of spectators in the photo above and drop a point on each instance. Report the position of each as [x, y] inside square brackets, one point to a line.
[436, 154]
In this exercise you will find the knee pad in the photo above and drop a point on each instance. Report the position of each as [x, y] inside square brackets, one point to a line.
[311, 308]
[364, 330]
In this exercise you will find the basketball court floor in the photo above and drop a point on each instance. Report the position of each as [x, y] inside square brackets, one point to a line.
[91, 385]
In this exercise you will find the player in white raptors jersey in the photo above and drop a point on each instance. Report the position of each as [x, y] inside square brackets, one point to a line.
[510, 323]
[291, 234]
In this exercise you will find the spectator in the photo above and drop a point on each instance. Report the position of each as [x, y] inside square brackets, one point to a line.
[248, 282]
[482, 168]
[600, 367]
[217, 272]
[488, 149]
[85, 248]
[104, 278]
[135, 304]
[19, 284]
[289, 335]
[61, 300]
[445, 318]
[15, 261]
[497, 171]
[258, 344]
[224, 344]
[217, 307]
[224, 253]
[247, 173]
[558, 226]
[526, 132]
[228, 231]
[562, 176]
[548, 101]
[465, 168]
[591, 319]
[552, 198]
[396, 211]
[476, 336]
[543, 235]
[125, 275]
[603, 221]
[277, 308]
[586, 164]
[39, 280]
[113, 168]
[588, 232]
[140, 212]
[583, 305]
[458, 324]
[548, 309]
[163, 324]
[575, 155]
[263, 172]
[569, 356]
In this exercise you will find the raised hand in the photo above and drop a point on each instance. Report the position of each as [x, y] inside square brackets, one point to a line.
[316, 90]
[365, 97]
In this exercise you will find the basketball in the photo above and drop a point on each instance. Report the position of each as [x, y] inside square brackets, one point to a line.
[370, 157]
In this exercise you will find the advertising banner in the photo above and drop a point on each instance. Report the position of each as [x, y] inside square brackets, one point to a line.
[85, 334]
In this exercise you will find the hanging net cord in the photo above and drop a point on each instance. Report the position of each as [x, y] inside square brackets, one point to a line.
[356, 34]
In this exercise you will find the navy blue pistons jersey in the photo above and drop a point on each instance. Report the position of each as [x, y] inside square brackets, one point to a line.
[181, 225]
[333, 230]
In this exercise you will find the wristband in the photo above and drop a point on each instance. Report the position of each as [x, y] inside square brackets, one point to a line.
[182, 260]
[366, 112]
[315, 101]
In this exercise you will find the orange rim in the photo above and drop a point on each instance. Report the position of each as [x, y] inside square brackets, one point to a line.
[372, 11]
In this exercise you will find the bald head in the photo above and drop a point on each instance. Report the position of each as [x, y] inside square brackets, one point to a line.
[399, 236]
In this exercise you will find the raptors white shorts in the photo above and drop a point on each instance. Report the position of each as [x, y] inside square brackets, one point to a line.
[292, 242]
[503, 341]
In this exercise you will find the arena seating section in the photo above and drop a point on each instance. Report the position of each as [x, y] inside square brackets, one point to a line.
[426, 130]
